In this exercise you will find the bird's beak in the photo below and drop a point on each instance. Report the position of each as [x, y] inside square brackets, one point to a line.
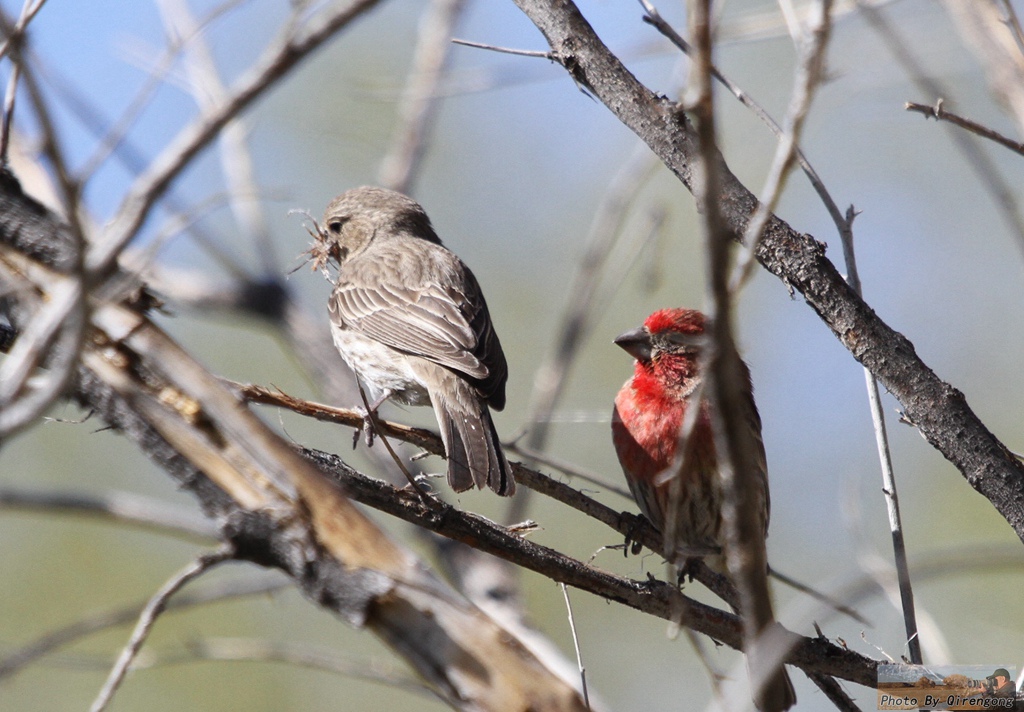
[637, 343]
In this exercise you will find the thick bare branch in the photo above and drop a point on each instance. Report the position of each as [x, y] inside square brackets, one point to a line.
[654, 597]
[122, 507]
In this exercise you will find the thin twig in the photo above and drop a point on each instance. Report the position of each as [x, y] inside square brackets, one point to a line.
[589, 286]
[808, 78]
[148, 617]
[567, 468]
[209, 91]
[379, 431]
[939, 113]
[9, 97]
[301, 655]
[576, 644]
[743, 487]
[834, 692]
[820, 597]
[18, 659]
[120, 507]
[991, 35]
[888, 475]
[420, 437]
[505, 50]
[1014, 22]
[985, 170]
[420, 101]
[15, 36]
[659, 23]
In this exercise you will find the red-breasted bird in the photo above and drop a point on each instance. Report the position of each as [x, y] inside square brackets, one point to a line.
[410, 319]
[650, 412]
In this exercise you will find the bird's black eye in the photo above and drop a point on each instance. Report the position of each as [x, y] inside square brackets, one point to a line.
[335, 225]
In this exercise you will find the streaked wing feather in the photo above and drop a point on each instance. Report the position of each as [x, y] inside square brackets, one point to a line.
[426, 323]
[760, 458]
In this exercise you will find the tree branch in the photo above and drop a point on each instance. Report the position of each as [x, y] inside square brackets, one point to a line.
[654, 597]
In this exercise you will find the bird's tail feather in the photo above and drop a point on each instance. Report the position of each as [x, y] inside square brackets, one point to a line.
[777, 694]
[472, 446]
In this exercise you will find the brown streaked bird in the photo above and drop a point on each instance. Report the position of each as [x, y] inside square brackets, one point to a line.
[410, 319]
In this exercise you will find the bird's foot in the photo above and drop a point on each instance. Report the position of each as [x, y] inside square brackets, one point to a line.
[366, 430]
[369, 414]
[687, 570]
[635, 523]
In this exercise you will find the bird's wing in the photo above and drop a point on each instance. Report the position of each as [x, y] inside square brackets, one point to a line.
[425, 320]
[760, 458]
